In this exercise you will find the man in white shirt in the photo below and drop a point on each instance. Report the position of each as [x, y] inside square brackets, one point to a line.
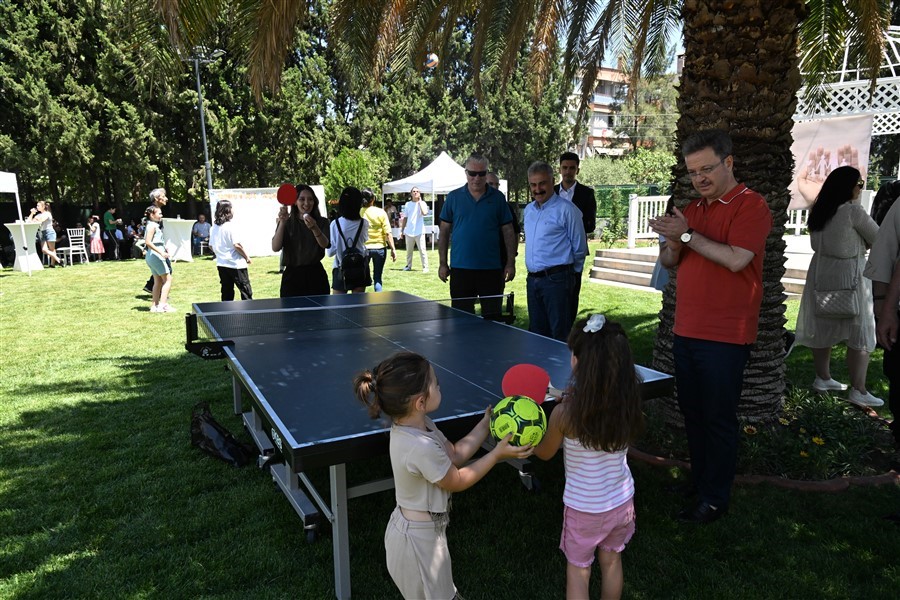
[412, 227]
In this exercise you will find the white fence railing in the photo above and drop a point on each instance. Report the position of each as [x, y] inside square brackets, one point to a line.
[796, 220]
[641, 208]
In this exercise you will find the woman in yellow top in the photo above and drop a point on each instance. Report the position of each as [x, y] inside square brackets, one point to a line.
[380, 238]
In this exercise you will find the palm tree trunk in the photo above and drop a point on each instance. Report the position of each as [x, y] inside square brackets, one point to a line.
[742, 75]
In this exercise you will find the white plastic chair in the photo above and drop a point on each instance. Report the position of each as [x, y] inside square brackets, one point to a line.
[76, 246]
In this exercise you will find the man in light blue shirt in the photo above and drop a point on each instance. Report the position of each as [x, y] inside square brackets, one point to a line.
[555, 247]
[200, 232]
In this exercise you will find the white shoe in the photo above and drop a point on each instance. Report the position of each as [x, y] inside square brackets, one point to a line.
[829, 385]
[864, 399]
[167, 308]
[154, 308]
[425, 270]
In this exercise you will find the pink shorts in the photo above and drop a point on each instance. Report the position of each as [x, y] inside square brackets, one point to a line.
[584, 532]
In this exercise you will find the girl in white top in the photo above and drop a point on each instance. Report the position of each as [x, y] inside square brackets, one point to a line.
[594, 422]
[342, 233]
[231, 258]
[427, 468]
[41, 214]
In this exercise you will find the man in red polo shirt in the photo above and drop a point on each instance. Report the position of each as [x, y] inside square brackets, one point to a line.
[718, 242]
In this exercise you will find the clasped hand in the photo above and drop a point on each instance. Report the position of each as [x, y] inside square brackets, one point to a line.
[670, 226]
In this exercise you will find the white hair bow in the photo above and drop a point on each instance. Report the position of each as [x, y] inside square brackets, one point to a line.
[595, 323]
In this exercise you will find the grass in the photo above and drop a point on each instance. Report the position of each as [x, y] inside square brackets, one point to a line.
[101, 494]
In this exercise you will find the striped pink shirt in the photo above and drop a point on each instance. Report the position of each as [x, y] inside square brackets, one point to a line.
[596, 481]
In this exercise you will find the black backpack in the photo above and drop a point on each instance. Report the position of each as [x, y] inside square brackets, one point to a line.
[353, 262]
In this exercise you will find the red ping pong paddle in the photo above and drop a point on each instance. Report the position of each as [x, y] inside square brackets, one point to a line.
[526, 380]
[287, 194]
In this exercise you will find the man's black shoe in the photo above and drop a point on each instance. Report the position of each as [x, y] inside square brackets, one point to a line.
[148, 289]
[701, 513]
[685, 489]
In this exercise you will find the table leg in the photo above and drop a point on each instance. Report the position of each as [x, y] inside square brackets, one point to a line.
[236, 391]
[340, 531]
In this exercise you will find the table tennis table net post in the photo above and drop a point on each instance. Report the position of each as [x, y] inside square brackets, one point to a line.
[235, 324]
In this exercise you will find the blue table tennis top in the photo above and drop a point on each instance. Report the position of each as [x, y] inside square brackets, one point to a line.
[301, 383]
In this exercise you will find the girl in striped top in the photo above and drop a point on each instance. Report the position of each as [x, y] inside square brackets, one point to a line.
[595, 421]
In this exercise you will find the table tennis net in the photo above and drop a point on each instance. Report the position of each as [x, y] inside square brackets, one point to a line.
[232, 324]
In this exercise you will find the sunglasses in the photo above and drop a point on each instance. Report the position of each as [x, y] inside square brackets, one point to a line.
[860, 184]
[476, 173]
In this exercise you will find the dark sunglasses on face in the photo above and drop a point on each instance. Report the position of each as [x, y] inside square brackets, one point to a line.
[860, 184]
[476, 173]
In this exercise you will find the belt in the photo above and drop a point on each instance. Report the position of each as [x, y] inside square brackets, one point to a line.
[550, 271]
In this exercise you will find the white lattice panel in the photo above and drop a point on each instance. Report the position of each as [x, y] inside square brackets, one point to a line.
[851, 95]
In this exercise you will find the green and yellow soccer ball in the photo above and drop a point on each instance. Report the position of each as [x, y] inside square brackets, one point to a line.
[522, 417]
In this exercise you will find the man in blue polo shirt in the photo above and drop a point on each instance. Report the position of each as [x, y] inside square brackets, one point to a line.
[473, 218]
[555, 247]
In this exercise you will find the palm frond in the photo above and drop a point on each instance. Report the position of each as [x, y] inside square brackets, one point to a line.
[832, 28]
[517, 30]
[580, 15]
[663, 27]
[544, 44]
[276, 23]
[867, 40]
[354, 34]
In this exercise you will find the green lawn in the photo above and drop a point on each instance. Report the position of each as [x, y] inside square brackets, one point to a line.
[101, 494]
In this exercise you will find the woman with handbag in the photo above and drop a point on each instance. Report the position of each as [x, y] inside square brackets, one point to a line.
[837, 300]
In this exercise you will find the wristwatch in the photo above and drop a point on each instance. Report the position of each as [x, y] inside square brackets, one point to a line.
[687, 235]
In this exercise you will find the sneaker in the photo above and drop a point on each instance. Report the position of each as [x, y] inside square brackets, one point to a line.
[830, 385]
[148, 289]
[407, 268]
[167, 308]
[789, 340]
[864, 399]
[377, 287]
[425, 270]
[155, 308]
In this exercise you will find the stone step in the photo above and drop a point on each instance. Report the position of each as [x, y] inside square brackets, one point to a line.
[633, 267]
[795, 273]
[640, 254]
[604, 274]
[793, 285]
[622, 264]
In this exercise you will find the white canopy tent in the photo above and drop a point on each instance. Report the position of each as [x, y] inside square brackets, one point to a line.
[440, 177]
[9, 184]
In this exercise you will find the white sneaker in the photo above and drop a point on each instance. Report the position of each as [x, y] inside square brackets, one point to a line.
[829, 385]
[864, 398]
[154, 308]
[167, 308]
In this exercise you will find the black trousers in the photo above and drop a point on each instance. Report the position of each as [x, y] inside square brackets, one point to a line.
[111, 245]
[235, 278]
[471, 283]
[709, 377]
[891, 367]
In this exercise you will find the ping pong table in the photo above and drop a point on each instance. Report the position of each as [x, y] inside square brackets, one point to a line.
[295, 359]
